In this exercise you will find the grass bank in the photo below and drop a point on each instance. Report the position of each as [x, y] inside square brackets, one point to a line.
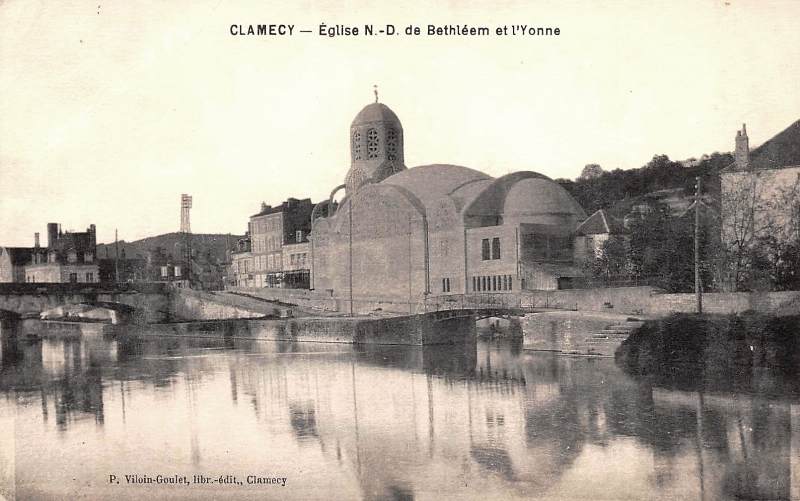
[747, 351]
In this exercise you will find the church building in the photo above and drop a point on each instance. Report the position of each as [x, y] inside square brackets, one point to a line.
[403, 234]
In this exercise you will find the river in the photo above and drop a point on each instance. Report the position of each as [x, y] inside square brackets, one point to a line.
[97, 418]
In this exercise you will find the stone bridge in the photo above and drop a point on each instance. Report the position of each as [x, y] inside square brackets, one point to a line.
[150, 301]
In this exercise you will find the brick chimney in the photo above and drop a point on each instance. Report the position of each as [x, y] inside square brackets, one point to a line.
[36, 239]
[52, 234]
[741, 156]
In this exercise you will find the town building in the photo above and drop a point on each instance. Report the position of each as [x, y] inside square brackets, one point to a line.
[161, 266]
[240, 273]
[122, 270]
[166, 258]
[594, 232]
[297, 265]
[271, 229]
[401, 234]
[760, 190]
[69, 257]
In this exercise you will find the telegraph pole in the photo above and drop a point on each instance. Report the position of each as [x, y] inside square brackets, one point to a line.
[409, 264]
[350, 254]
[116, 258]
[697, 283]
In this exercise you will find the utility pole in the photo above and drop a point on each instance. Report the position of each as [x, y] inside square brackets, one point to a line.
[116, 259]
[188, 237]
[698, 286]
[350, 254]
[409, 264]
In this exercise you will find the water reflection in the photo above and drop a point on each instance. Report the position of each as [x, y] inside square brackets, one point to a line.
[484, 420]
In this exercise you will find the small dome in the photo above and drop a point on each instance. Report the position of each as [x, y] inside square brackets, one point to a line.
[375, 112]
[540, 195]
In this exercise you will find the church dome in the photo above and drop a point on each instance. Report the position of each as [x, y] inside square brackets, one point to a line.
[540, 195]
[429, 182]
[375, 112]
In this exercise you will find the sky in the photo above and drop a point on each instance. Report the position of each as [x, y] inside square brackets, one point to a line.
[109, 111]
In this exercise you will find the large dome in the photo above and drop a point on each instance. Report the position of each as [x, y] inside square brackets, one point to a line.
[429, 182]
[539, 195]
[375, 112]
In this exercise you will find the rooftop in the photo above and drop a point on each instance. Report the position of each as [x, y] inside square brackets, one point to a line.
[600, 223]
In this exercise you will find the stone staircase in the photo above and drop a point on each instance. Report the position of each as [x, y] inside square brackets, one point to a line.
[606, 341]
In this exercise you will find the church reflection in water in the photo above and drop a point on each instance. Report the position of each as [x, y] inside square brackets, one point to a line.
[486, 420]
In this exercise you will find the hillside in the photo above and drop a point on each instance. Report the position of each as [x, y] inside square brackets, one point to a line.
[660, 178]
[208, 247]
[670, 182]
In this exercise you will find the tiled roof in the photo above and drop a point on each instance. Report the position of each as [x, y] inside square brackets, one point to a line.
[600, 223]
[782, 150]
[281, 208]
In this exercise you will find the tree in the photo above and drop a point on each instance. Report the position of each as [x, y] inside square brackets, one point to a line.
[609, 263]
[591, 171]
[661, 250]
[760, 233]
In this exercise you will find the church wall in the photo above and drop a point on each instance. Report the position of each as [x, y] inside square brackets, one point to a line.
[565, 223]
[446, 248]
[490, 271]
[388, 248]
[447, 261]
[323, 263]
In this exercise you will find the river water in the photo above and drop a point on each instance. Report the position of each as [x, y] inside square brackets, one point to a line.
[483, 421]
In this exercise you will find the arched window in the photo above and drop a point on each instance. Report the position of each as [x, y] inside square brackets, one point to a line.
[356, 145]
[391, 144]
[373, 143]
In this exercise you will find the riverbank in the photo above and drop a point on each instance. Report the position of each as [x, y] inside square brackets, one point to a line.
[415, 330]
[715, 352]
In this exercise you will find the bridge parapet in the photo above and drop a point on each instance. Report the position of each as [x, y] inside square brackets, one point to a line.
[504, 302]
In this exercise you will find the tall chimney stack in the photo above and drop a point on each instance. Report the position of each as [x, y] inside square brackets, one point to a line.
[36, 239]
[52, 234]
[741, 156]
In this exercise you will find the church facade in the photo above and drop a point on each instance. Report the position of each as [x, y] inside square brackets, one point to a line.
[403, 234]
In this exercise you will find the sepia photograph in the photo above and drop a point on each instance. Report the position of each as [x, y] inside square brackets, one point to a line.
[464, 250]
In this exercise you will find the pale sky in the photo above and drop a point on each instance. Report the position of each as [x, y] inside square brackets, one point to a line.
[109, 111]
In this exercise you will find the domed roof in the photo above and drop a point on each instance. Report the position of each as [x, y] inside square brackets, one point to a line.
[375, 112]
[540, 195]
[429, 182]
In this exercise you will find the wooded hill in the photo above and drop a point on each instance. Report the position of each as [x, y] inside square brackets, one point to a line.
[618, 190]
[208, 247]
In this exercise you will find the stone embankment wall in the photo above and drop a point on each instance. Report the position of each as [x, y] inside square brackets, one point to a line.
[302, 297]
[650, 301]
[187, 304]
[624, 300]
[417, 330]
